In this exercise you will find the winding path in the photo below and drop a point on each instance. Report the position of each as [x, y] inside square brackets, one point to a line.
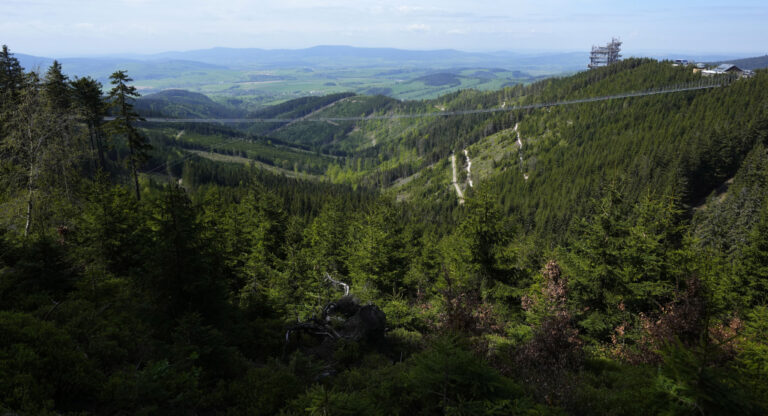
[455, 181]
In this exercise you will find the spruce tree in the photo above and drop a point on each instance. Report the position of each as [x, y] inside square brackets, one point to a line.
[57, 89]
[121, 96]
[11, 78]
[754, 267]
[91, 109]
[626, 260]
[58, 101]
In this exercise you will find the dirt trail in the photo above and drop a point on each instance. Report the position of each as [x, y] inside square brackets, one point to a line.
[520, 149]
[455, 181]
[469, 167]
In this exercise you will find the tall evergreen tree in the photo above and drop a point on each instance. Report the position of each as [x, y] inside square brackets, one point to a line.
[58, 100]
[754, 267]
[11, 82]
[376, 257]
[57, 89]
[326, 237]
[91, 109]
[11, 77]
[121, 96]
[186, 276]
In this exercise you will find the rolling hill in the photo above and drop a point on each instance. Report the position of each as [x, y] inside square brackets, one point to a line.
[407, 156]
[255, 78]
[183, 104]
[590, 141]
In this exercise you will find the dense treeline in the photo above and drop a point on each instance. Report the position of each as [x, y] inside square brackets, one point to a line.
[203, 298]
[682, 144]
[296, 108]
[229, 141]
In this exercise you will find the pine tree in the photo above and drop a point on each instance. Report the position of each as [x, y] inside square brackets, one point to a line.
[123, 125]
[376, 257]
[626, 260]
[326, 237]
[754, 267]
[264, 222]
[58, 101]
[91, 109]
[57, 89]
[11, 78]
[185, 277]
[112, 229]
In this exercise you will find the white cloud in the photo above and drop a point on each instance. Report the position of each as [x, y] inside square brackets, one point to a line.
[409, 9]
[418, 27]
[68, 27]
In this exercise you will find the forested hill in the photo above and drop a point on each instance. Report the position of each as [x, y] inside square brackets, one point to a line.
[615, 264]
[183, 104]
[684, 144]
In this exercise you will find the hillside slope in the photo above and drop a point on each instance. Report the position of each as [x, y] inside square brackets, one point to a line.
[683, 144]
[183, 104]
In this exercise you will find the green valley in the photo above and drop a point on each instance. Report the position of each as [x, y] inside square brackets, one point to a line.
[404, 241]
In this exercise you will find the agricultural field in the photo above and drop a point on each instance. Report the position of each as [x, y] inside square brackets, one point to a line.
[260, 88]
[250, 79]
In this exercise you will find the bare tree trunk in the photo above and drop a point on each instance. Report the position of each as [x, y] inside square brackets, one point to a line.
[63, 163]
[98, 134]
[92, 147]
[29, 207]
[135, 176]
[100, 145]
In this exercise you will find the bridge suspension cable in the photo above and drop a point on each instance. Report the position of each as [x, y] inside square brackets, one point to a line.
[693, 86]
[699, 85]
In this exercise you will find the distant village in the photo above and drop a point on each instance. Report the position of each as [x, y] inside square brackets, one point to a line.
[610, 53]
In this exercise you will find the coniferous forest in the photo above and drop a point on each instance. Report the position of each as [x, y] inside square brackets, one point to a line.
[626, 273]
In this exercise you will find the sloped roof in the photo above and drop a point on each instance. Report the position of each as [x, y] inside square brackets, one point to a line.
[726, 68]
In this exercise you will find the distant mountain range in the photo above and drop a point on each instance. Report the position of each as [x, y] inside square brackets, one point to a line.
[319, 56]
[334, 56]
[256, 77]
[100, 68]
[330, 57]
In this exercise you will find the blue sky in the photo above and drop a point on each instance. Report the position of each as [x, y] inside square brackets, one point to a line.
[62, 28]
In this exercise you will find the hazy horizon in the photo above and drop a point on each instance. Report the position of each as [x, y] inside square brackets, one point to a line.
[522, 52]
[89, 28]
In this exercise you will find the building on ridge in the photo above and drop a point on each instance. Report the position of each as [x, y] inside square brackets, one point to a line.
[732, 69]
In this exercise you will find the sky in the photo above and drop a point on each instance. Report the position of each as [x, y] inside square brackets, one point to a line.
[66, 28]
